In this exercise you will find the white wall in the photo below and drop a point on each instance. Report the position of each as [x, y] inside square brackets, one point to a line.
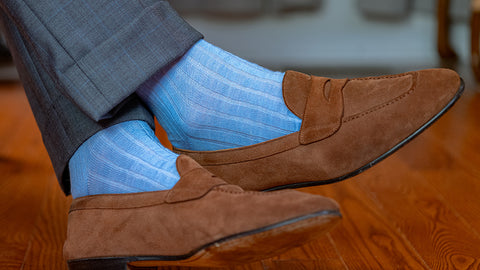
[338, 35]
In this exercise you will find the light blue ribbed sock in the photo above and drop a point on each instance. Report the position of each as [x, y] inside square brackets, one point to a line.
[123, 158]
[211, 100]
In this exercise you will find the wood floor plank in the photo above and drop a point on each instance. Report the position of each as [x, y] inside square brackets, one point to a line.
[459, 131]
[297, 264]
[252, 266]
[39, 196]
[433, 227]
[320, 254]
[49, 234]
[456, 181]
[19, 195]
[418, 209]
[448, 155]
[17, 216]
[365, 238]
[12, 102]
[11, 266]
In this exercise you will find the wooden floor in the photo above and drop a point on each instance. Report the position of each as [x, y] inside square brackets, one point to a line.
[418, 209]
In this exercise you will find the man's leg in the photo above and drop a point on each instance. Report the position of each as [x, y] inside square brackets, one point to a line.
[69, 132]
[99, 52]
[201, 221]
[268, 130]
[63, 125]
[81, 61]
[211, 100]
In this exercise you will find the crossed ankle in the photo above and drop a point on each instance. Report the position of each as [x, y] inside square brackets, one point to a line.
[124, 158]
[212, 100]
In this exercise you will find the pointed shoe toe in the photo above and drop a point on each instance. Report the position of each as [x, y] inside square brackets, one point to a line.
[348, 125]
[202, 221]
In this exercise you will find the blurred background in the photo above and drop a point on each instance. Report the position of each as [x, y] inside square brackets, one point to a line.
[326, 37]
[332, 37]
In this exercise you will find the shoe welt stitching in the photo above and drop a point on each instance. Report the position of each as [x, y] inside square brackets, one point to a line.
[391, 102]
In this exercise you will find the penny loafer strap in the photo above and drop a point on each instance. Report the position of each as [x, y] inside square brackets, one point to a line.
[324, 109]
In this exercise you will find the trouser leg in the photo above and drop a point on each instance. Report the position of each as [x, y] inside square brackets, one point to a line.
[100, 51]
[78, 81]
[63, 125]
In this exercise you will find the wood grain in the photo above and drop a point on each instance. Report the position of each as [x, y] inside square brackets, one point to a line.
[366, 239]
[20, 197]
[418, 209]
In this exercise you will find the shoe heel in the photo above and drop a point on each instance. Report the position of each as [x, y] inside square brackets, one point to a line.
[99, 264]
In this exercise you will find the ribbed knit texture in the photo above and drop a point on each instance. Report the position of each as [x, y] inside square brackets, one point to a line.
[211, 99]
[123, 158]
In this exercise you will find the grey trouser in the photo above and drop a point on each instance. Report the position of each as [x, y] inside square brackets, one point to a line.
[80, 62]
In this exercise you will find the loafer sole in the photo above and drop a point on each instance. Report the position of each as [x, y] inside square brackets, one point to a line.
[241, 248]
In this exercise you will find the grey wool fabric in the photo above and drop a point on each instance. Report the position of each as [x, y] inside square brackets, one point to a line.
[81, 61]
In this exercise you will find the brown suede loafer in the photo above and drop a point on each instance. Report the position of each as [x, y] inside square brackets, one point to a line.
[347, 126]
[202, 221]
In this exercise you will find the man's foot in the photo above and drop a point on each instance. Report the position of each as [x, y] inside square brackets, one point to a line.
[264, 130]
[347, 126]
[202, 221]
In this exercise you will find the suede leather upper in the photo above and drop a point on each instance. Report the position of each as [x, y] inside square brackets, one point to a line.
[200, 209]
[346, 124]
